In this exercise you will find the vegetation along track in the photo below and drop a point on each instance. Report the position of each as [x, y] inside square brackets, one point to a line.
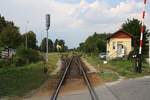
[73, 67]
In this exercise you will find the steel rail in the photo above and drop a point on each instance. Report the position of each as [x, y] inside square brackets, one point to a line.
[55, 94]
[87, 81]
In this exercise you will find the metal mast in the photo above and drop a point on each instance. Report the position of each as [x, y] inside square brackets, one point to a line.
[47, 28]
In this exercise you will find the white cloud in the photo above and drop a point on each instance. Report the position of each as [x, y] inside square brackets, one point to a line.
[123, 7]
[71, 21]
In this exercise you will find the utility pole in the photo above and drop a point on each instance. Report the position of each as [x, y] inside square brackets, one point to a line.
[47, 28]
[26, 35]
[26, 40]
[41, 40]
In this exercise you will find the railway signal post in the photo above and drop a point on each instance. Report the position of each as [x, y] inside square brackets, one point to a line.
[47, 28]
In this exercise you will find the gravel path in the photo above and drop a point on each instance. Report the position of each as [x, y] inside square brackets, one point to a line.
[90, 67]
[59, 64]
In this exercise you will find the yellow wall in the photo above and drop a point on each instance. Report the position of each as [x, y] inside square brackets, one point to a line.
[126, 42]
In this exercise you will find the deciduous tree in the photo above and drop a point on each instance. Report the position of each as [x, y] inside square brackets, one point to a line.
[50, 45]
[133, 26]
[31, 39]
[10, 36]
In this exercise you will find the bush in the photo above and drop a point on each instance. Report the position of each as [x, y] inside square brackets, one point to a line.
[26, 56]
[5, 63]
[2, 63]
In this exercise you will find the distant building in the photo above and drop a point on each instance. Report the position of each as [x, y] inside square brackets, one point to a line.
[119, 44]
[8, 53]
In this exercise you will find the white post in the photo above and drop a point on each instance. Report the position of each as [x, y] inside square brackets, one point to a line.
[41, 40]
[47, 47]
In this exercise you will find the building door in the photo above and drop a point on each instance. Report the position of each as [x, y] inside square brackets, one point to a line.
[120, 50]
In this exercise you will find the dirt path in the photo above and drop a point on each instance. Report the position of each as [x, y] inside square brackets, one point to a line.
[58, 64]
[90, 67]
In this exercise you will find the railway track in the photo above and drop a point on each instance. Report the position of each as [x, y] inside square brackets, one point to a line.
[76, 62]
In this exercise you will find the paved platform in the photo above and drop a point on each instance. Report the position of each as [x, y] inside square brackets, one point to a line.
[133, 89]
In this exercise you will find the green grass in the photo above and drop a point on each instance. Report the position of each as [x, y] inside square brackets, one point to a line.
[108, 77]
[21, 80]
[126, 68]
[94, 61]
[52, 61]
[122, 67]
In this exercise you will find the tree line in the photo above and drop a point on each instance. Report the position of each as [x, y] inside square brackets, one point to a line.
[97, 42]
[11, 37]
[53, 46]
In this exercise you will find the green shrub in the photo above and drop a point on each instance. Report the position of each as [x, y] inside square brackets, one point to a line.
[19, 81]
[5, 63]
[2, 63]
[26, 56]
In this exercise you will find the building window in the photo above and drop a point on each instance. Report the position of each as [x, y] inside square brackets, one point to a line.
[114, 45]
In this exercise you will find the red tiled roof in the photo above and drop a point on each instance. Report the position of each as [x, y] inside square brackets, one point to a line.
[110, 36]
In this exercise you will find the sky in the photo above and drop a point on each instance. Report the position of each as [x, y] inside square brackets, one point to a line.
[72, 20]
